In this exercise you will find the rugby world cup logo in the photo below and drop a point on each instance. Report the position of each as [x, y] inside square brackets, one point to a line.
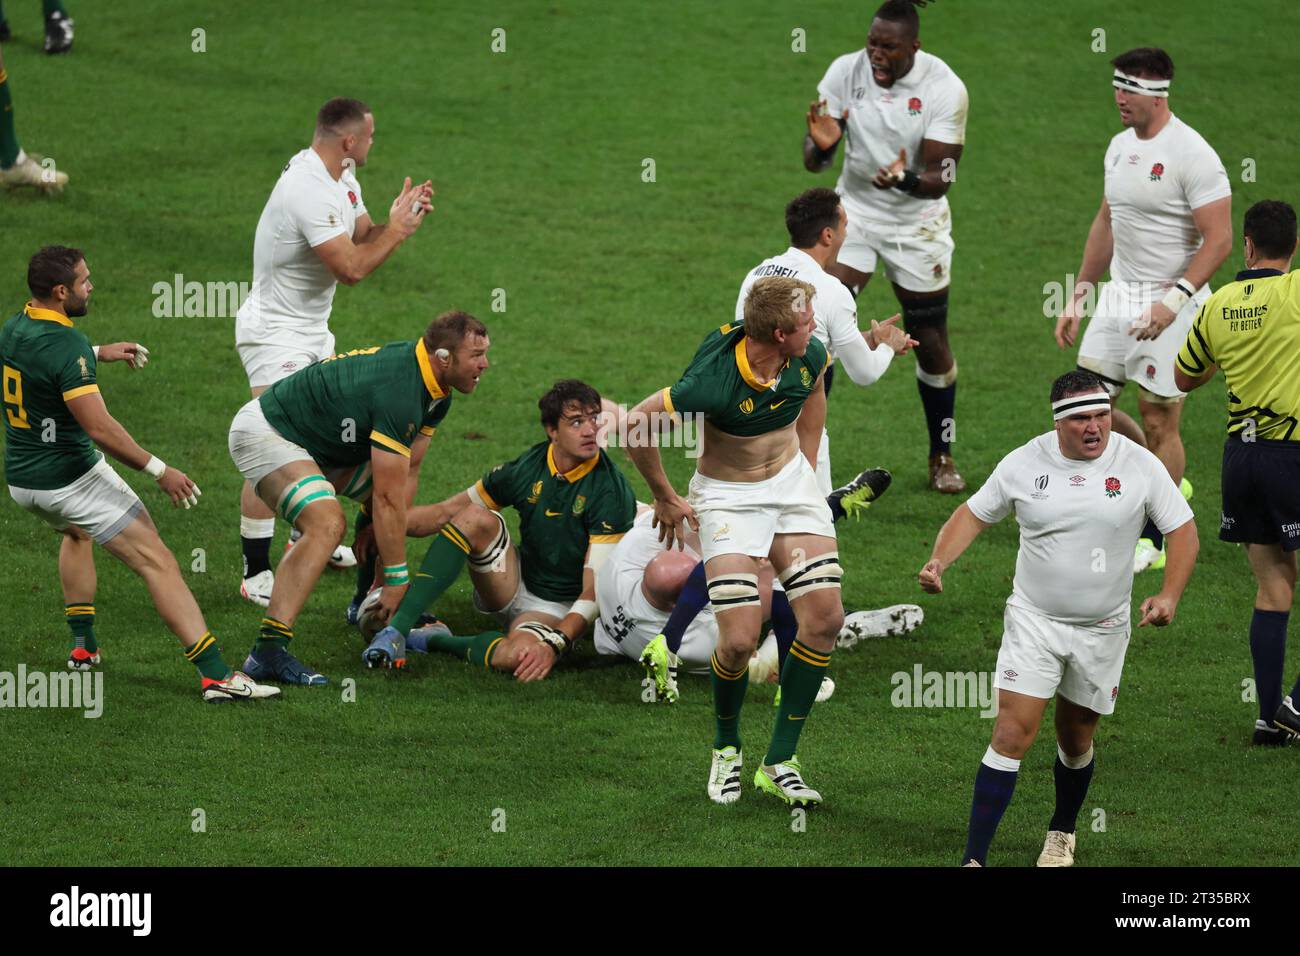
[1112, 487]
[1157, 171]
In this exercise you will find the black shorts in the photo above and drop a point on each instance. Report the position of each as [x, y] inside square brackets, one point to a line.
[1261, 493]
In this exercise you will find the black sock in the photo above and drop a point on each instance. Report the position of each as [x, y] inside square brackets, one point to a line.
[694, 596]
[938, 404]
[1071, 790]
[1268, 651]
[784, 624]
[1149, 530]
[993, 790]
[257, 555]
[365, 568]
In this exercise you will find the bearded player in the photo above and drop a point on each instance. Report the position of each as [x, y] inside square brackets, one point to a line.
[902, 115]
[1164, 227]
[755, 495]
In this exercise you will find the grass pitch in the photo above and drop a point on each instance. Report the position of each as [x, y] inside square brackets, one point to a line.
[537, 155]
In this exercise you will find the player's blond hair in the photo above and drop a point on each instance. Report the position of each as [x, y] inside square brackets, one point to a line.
[775, 302]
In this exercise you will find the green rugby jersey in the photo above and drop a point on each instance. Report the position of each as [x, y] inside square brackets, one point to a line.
[720, 383]
[1250, 328]
[47, 363]
[342, 406]
[560, 515]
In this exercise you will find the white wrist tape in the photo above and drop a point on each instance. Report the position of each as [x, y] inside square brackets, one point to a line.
[587, 609]
[154, 467]
[95, 349]
[1176, 298]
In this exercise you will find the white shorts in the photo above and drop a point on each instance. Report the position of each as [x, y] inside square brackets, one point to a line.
[257, 448]
[917, 255]
[268, 362]
[742, 517]
[99, 503]
[523, 601]
[1109, 350]
[1041, 657]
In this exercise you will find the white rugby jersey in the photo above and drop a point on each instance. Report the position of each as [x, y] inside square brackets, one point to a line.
[1079, 523]
[627, 621]
[1152, 186]
[292, 290]
[833, 308]
[928, 103]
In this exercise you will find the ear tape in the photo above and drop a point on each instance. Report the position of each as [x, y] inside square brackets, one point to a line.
[442, 355]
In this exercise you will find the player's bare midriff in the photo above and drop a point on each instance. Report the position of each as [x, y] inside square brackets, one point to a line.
[746, 458]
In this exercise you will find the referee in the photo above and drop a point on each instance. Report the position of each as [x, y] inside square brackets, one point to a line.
[1251, 329]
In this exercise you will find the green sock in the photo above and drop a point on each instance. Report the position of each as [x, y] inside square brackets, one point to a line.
[441, 566]
[801, 678]
[81, 619]
[273, 634]
[206, 656]
[9, 148]
[728, 695]
[52, 6]
[475, 648]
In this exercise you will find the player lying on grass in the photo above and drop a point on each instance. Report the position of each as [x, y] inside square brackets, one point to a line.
[360, 423]
[754, 495]
[574, 505]
[1081, 496]
[54, 417]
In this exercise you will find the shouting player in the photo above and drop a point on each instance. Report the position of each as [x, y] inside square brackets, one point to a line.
[1081, 496]
[754, 495]
[314, 233]
[902, 114]
[54, 417]
[1164, 227]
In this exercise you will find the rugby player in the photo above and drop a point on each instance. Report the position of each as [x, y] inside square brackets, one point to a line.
[574, 505]
[356, 424]
[1164, 227]
[58, 26]
[1250, 329]
[1081, 496]
[18, 168]
[902, 114]
[314, 233]
[54, 417]
[818, 224]
[755, 495]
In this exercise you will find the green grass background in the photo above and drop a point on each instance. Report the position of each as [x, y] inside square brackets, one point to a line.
[536, 155]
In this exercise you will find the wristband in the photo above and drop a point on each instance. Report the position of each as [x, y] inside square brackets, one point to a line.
[154, 467]
[396, 575]
[587, 609]
[907, 181]
[1176, 298]
[556, 639]
[95, 349]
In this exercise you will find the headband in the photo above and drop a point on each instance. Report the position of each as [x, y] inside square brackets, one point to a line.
[1086, 402]
[1136, 84]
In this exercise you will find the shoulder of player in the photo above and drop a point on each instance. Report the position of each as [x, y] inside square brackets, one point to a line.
[1191, 143]
[936, 71]
[816, 356]
[843, 64]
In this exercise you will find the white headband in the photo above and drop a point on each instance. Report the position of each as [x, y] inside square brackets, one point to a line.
[1087, 402]
[1135, 84]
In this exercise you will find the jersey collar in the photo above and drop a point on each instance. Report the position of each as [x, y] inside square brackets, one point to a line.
[1258, 274]
[426, 370]
[46, 315]
[573, 474]
[742, 363]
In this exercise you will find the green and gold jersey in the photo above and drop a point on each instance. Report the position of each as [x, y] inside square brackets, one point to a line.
[343, 406]
[47, 363]
[1250, 328]
[560, 515]
[719, 383]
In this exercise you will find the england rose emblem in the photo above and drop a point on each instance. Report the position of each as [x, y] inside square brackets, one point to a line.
[1157, 171]
[914, 106]
[352, 198]
[1112, 487]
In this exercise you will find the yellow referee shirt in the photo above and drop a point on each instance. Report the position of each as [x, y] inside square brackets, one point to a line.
[1250, 328]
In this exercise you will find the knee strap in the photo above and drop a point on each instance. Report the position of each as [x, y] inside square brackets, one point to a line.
[823, 571]
[302, 493]
[492, 557]
[728, 591]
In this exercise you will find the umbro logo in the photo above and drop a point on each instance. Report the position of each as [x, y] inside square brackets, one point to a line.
[1009, 674]
[1077, 480]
